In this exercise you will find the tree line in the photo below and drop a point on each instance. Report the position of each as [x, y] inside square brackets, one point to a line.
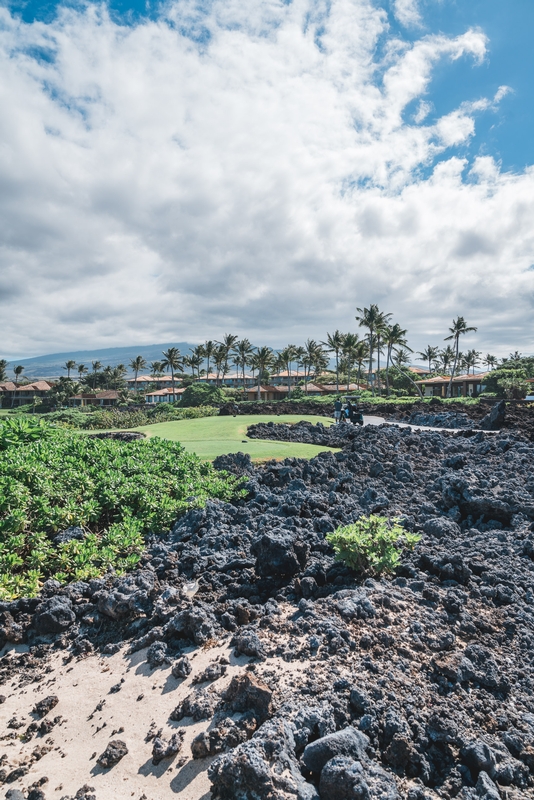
[383, 348]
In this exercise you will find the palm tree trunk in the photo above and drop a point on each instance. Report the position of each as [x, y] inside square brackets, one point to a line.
[387, 370]
[370, 371]
[337, 371]
[378, 366]
[173, 391]
[449, 388]
[419, 392]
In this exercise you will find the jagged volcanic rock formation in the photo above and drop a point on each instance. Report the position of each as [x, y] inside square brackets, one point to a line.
[417, 685]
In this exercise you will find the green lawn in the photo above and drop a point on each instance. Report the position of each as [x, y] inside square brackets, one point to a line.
[212, 436]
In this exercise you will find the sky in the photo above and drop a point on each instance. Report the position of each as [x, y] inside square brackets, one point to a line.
[178, 170]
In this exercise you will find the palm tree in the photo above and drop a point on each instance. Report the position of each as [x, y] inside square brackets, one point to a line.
[172, 360]
[209, 351]
[82, 369]
[380, 333]
[137, 364]
[373, 319]
[261, 361]
[395, 337]
[108, 375]
[430, 354]
[117, 377]
[96, 365]
[350, 344]
[286, 357]
[18, 370]
[320, 363]
[401, 360]
[156, 369]
[298, 356]
[313, 353]
[187, 364]
[458, 328]
[3, 367]
[472, 360]
[490, 361]
[334, 344]
[228, 342]
[197, 358]
[243, 350]
[219, 358]
[195, 362]
[447, 358]
[361, 355]
[239, 364]
[68, 366]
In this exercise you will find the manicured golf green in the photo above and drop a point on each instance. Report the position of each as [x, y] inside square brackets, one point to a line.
[210, 437]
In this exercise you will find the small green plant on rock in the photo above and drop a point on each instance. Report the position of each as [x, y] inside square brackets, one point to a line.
[372, 544]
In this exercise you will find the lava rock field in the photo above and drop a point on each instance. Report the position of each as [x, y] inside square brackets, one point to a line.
[418, 685]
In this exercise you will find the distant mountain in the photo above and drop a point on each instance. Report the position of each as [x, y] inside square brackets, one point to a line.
[51, 366]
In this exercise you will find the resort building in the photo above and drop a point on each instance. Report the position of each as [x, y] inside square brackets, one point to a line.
[233, 379]
[103, 399]
[144, 381]
[14, 395]
[462, 385]
[164, 396]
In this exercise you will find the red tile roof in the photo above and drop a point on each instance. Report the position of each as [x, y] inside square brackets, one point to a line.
[457, 379]
[38, 386]
[166, 390]
[353, 387]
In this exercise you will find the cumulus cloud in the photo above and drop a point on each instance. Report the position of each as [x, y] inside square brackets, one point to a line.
[248, 167]
[407, 12]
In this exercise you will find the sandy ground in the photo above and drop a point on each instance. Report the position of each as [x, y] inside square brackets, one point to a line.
[145, 700]
[143, 704]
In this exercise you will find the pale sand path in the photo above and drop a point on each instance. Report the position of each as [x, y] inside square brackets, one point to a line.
[81, 685]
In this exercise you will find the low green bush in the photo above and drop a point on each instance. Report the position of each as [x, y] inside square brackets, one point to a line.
[113, 418]
[372, 545]
[117, 492]
[202, 394]
[21, 430]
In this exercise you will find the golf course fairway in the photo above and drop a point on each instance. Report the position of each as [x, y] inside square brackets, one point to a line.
[210, 437]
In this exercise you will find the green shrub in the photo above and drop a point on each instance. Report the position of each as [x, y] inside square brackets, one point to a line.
[21, 430]
[202, 394]
[117, 492]
[297, 393]
[196, 413]
[372, 544]
[113, 418]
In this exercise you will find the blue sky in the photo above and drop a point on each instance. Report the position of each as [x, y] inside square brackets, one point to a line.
[265, 167]
[507, 135]
[509, 26]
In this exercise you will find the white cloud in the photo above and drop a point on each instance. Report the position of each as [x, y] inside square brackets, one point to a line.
[407, 12]
[246, 168]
